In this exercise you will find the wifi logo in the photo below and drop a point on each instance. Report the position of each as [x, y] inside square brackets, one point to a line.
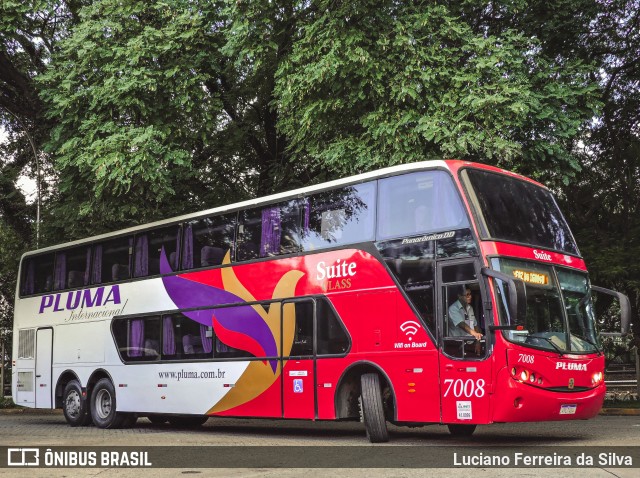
[410, 328]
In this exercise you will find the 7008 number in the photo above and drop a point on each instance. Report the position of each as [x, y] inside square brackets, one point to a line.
[464, 388]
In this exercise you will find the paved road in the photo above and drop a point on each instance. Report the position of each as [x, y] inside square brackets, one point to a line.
[38, 429]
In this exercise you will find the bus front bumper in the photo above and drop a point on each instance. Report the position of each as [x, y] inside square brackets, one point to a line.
[515, 401]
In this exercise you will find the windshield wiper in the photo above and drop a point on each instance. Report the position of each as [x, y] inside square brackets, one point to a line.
[558, 349]
[590, 342]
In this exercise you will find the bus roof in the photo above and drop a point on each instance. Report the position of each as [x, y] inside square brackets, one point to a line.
[451, 165]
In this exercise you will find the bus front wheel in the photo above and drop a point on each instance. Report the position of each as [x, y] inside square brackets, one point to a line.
[74, 406]
[461, 430]
[372, 408]
[103, 406]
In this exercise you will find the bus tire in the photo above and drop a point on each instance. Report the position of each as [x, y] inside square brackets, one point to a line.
[74, 406]
[103, 406]
[461, 430]
[372, 408]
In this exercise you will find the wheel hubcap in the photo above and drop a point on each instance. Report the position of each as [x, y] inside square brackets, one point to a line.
[72, 404]
[103, 404]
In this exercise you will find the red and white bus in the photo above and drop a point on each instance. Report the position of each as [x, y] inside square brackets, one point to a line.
[441, 292]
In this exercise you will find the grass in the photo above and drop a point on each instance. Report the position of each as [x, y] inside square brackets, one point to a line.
[7, 402]
[621, 404]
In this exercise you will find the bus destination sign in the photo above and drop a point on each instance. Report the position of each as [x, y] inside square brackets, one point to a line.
[531, 277]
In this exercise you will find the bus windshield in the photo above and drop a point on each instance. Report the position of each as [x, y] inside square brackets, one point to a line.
[559, 305]
[513, 210]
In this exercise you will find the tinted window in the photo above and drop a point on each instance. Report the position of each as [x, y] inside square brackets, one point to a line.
[413, 266]
[269, 231]
[332, 338]
[418, 203]
[138, 339]
[301, 315]
[342, 216]
[518, 211]
[186, 339]
[207, 241]
[111, 260]
[76, 266]
[37, 274]
[148, 247]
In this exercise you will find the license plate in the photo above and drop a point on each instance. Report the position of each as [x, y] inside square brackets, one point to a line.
[568, 409]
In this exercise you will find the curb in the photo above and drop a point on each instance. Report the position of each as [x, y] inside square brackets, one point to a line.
[29, 411]
[620, 411]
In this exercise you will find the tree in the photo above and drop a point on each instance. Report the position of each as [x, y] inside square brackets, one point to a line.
[370, 84]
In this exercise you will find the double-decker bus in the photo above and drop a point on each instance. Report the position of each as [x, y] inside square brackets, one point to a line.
[440, 292]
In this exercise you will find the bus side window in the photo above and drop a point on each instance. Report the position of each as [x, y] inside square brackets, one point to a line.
[302, 322]
[139, 339]
[148, 250]
[269, 231]
[43, 273]
[341, 216]
[111, 260]
[207, 241]
[332, 338]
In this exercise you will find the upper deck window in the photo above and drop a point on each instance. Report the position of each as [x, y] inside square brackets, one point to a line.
[514, 210]
[340, 216]
[418, 203]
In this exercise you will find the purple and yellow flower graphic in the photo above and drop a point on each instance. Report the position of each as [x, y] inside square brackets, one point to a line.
[246, 327]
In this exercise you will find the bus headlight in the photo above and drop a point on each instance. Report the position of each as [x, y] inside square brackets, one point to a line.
[597, 378]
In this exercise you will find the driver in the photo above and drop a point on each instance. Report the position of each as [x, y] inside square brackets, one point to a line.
[462, 318]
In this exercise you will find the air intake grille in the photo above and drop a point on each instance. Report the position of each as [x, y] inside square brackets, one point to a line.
[26, 343]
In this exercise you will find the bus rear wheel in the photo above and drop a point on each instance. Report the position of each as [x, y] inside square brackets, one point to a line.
[461, 430]
[372, 408]
[74, 406]
[103, 406]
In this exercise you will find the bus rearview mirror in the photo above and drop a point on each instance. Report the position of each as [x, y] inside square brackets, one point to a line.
[517, 299]
[625, 309]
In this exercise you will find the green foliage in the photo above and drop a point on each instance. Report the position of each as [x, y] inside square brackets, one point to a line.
[368, 86]
[150, 109]
[127, 92]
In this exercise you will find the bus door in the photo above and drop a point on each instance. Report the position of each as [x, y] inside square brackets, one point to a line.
[298, 346]
[465, 368]
[44, 358]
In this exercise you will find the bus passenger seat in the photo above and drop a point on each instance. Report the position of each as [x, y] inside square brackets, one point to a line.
[119, 272]
[75, 279]
[211, 256]
[151, 347]
[191, 344]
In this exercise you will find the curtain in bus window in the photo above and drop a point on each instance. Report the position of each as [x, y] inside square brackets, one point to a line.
[270, 240]
[87, 267]
[207, 342]
[418, 203]
[168, 337]
[141, 265]
[29, 280]
[136, 338]
[187, 251]
[60, 271]
[97, 264]
[174, 257]
[77, 272]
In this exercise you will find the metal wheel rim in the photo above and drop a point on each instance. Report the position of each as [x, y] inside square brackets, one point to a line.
[72, 404]
[103, 404]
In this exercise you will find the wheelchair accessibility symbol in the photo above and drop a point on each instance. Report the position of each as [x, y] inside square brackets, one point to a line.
[297, 385]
